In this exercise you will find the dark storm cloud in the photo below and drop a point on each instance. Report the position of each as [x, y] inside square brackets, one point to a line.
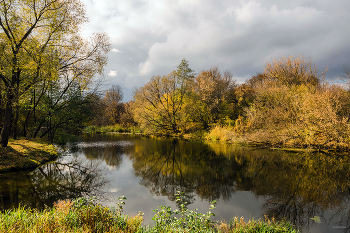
[151, 37]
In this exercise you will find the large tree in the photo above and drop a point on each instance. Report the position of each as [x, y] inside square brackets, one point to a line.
[40, 43]
[159, 105]
[213, 94]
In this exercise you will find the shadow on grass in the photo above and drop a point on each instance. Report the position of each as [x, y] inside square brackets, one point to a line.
[24, 157]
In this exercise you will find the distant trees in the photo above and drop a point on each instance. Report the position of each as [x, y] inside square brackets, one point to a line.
[110, 110]
[180, 102]
[288, 104]
[114, 108]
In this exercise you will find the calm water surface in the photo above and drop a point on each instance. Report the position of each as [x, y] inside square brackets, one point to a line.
[247, 182]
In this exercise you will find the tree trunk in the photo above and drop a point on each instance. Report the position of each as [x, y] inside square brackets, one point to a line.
[6, 130]
[15, 123]
[38, 128]
[1, 110]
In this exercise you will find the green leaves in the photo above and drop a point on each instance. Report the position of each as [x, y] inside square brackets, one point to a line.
[187, 220]
[120, 204]
[184, 72]
[317, 219]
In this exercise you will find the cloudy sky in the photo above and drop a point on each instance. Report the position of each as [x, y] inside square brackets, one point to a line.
[150, 37]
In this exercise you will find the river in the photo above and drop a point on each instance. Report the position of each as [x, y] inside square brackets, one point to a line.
[246, 181]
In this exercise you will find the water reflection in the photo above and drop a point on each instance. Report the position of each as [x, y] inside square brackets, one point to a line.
[67, 178]
[166, 167]
[104, 147]
[279, 184]
[295, 186]
[300, 186]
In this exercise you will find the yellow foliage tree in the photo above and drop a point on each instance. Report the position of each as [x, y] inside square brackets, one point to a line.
[211, 93]
[291, 71]
[159, 106]
[39, 41]
[292, 107]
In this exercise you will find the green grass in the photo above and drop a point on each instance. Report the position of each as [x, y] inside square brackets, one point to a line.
[24, 154]
[82, 215]
[110, 129]
[66, 216]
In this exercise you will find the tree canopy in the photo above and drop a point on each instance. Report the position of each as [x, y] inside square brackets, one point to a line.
[160, 104]
[40, 44]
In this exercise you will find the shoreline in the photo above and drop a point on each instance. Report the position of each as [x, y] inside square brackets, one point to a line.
[24, 154]
[237, 141]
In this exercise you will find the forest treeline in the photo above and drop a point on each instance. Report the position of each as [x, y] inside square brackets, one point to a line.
[288, 104]
[49, 76]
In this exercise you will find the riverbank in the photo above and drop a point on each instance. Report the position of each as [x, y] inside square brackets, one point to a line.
[234, 135]
[110, 129]
[81, 215]
[24, 154]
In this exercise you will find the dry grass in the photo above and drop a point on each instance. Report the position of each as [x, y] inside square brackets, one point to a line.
[65, 217]
[239, 225]
[221, 133]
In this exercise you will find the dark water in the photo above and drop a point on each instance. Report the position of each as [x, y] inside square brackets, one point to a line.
[247, 182]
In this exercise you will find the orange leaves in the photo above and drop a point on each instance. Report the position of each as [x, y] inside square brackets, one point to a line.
[291, 71]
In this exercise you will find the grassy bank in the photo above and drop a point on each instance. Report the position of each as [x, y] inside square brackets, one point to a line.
[81, 215]
[24, 154]
[273, 140]
[110, 129]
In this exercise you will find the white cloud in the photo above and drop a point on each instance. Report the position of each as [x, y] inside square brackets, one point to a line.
[112, 73]
[113, 190]
[235, 35]
[114, 50]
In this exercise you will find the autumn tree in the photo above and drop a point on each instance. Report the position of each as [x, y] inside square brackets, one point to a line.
[213, 93]
[291, 71]
[114, 108]
[127, 117]
[293, 107]
[244, 94]
[159, 106]
[97, 107]
[40, 44]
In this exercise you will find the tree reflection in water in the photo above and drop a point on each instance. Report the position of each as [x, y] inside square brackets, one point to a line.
[294, 186]
[304, 185]
[166, 167]
[51, 182]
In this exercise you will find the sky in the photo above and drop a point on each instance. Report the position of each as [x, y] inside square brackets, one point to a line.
[151, 37]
